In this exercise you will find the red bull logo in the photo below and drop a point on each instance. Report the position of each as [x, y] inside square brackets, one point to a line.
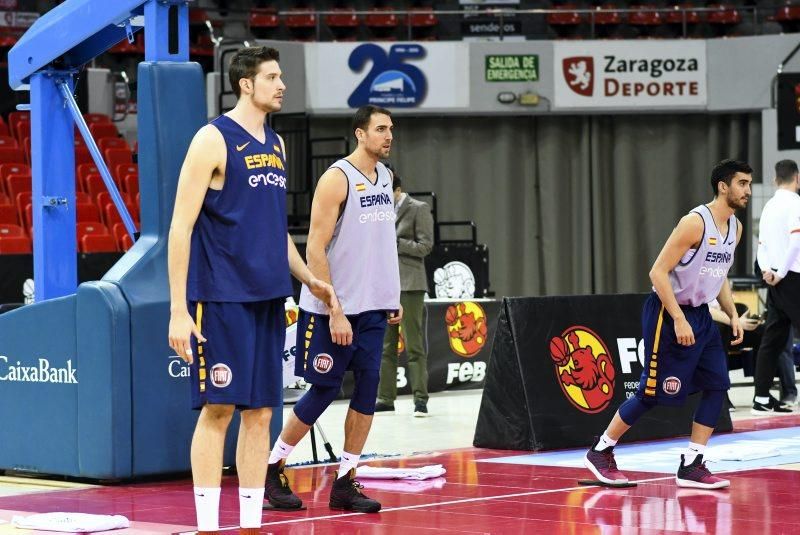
[584, 368]
[466, 328]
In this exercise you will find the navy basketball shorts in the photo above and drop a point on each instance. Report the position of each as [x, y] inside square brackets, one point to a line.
[323, 362]
[672, 371]
[241, 362]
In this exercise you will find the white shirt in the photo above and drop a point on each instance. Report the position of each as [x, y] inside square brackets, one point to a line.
[779, 233]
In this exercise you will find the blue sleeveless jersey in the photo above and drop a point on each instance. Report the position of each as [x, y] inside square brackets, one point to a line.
[239, 250]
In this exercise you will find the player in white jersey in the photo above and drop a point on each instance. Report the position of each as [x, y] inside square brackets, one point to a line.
[352, 244]
[683, 348]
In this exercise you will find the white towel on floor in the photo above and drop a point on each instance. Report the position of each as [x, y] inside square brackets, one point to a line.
[71, 522]
[420, 473]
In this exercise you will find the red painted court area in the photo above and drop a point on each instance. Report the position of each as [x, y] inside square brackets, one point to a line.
[473, 497]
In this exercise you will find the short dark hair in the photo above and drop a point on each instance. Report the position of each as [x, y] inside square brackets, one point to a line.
[397, 182]
[364, 114]
[725, 170]
[785, 171]
[245, 62]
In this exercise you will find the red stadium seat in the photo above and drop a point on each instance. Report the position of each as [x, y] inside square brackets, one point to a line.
[82, 197]
[131, 184]
[116, 157]
[112, 143]
[15, 245]
[126, 242]
[8, 215]
[8, 141]
[14, 169]
[565, 16]
[86, 169]
[343, 23]
[263, 22]
[82, 155]
[87, 212]
[644, 17]
[90, 227]
[11, 155]
[95, 118]
[10, 229]
[93, 184]
[724, 15]
[301, 23]
[16, 184]
[104, 197]
[423, 22]
[100, 130]
[4, 129]
[96, 243]
[26, 148]
[120, 171]
[679, 12]
[21, 200]
[27, 218]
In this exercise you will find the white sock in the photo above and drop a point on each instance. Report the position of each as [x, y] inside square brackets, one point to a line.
[349, 461]
[692, 452]
[604, 442]
[250, 503]
[206, 503]
[763, 400]
[280, 451]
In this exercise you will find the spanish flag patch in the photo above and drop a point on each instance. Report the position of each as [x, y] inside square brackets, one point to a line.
[712, 240]
[361, 186]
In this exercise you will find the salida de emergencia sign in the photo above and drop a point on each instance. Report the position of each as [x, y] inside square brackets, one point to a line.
[512, 68]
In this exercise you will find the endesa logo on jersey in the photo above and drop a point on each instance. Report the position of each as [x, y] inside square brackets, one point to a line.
[274, 170]
[584, 368]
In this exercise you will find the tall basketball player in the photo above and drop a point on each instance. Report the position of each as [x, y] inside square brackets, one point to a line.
[351, 243]
[683, 348]
[230, 256]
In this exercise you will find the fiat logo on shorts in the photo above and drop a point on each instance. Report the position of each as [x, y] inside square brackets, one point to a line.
[323, 363]
[672, 385]
[221, 375]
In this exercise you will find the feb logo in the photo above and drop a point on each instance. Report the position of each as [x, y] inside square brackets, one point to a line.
[466, 328]
[323, 363]
[221, 375]
[391, 82]
[584, 368]
[579, 74]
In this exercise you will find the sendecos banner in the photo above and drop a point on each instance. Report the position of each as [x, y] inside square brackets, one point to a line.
[630, 74]
[344, 76]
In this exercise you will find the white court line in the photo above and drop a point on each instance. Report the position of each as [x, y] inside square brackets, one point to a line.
[436, 504]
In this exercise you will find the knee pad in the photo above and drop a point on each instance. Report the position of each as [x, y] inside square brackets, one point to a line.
[633, 409]
[365, 391]
[314, 402]
[710, 406]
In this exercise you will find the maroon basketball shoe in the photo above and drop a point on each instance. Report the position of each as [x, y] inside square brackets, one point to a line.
[603, 465]
[697, 476]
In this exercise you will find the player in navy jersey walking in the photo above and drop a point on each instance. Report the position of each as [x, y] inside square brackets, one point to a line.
[230, 258]
[353, 244]
[683, 348]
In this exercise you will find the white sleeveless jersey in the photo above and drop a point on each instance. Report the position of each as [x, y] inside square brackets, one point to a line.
[362, 253]
[700, 274]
